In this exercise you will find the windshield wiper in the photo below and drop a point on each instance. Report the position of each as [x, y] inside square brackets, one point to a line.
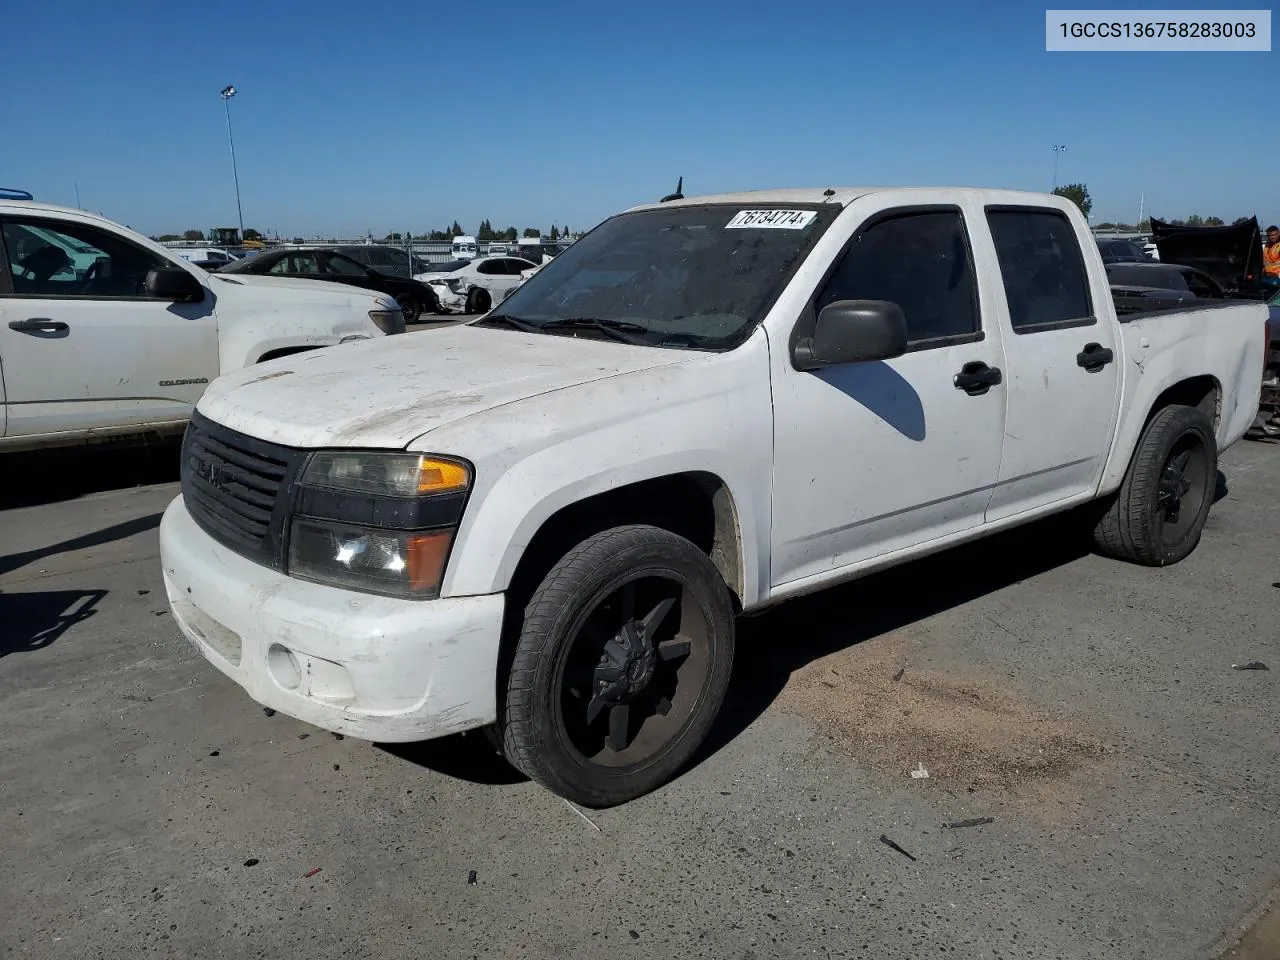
[621, 330]
[506, 320]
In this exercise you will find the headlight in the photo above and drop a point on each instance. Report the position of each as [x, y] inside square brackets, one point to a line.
[391, 562]
[388, 321]
[385, 474]
[377, 522]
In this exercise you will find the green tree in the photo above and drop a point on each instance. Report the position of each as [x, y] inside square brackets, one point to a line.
[456, 230]
[1107, 225]
[509, 235]
[391, 238]
[1078, 194]
[532, 232]
[252, 234]
[1195, 220]
[168, 237]
[485, 233]
[1239, 220]
[195, 235]
[1144, 226]
[555, 234]
[1214, 222]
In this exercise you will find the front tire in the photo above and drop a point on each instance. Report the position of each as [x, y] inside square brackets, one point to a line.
[1159, 513]
[620, 668]
[411, 309]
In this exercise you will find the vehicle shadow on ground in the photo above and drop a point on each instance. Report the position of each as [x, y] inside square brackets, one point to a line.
[39, 477]
[463, 756]
[33, 621]
[119, 531]
[772, 646]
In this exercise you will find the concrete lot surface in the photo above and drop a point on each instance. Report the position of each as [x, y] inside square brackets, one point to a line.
[149, 809]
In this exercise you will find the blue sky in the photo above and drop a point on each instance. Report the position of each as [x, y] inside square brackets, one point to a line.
[389, 116]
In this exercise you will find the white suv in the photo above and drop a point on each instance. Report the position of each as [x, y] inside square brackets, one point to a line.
[105, 333]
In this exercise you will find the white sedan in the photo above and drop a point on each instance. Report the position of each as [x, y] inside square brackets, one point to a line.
[474, 286]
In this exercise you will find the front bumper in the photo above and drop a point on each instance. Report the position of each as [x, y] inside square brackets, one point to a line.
[371, 667]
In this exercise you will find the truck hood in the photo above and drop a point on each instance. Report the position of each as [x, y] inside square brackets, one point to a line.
[386, 393]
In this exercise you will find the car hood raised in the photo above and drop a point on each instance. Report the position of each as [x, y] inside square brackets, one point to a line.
[386, 393]
[1232, 255]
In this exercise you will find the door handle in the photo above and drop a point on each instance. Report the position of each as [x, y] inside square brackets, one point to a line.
[1094, 356]
[38, 325]
[977, 378]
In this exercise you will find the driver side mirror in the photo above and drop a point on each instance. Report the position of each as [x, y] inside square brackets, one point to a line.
[173, 284]
[853, 331]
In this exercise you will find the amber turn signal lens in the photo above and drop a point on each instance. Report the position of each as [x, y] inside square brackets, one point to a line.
[427, 553]
[441, 476]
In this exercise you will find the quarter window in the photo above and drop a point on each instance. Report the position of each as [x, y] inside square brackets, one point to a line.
[921, 262]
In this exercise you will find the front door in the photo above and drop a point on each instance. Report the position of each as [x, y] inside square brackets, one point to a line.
[1064, 383]
[81, 345]
[872, 458]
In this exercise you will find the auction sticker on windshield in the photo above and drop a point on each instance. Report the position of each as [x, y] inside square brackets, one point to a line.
[771, 219]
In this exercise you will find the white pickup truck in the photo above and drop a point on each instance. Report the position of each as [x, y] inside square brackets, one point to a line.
[104, 333]
[545, 522]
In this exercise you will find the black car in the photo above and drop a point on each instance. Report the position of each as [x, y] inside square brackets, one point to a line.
[1139, 287]
[414, 298]
[1122, 251]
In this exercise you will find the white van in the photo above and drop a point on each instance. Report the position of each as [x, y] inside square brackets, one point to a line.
[464, 248]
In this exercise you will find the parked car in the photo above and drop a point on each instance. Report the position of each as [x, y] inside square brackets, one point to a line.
[202, 255]
[415, 298]
[1122, 251]
[1159, 286]
[392, 261]
[547, 523]
[104, 333]
[480, 283]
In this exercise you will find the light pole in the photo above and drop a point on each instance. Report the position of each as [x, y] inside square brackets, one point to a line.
[1058, 148]
[227, 93]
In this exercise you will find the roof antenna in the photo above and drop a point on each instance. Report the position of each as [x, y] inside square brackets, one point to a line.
[678, 195]
[828, 193]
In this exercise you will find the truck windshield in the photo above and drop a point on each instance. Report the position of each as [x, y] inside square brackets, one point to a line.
[687, 276]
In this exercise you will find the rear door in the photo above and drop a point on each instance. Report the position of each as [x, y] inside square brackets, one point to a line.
[1062, 376]
[82, 346]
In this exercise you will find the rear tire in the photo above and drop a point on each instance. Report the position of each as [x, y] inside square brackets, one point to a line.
[479, 301]
[1158, 514]
[620, 668]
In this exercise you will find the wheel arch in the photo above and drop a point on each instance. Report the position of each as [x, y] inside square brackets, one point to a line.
[697, 505]
[1202, 391]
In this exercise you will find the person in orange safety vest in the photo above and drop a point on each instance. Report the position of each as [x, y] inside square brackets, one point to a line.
[1271, 253]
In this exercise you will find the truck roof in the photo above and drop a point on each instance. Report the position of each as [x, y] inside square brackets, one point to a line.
[846, 195]
[36, 207]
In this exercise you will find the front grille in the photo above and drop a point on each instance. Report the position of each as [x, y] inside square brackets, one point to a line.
[236, 487]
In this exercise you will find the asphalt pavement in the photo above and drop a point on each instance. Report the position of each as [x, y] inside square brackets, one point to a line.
[1090, 708]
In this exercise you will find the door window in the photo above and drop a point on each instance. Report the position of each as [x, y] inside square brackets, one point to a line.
[336, 263]
[60, 259]
[921, 262]
[491, 267]
[1043, 270]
